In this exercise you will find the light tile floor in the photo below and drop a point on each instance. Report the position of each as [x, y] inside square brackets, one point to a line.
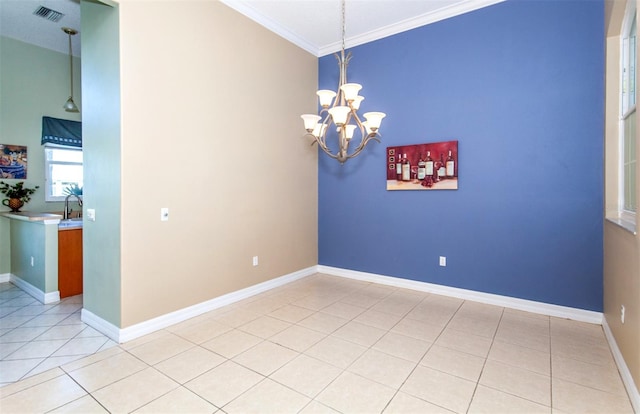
[325, 344]
[36, 337]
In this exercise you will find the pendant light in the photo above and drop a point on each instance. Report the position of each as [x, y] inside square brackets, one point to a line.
[70, 106]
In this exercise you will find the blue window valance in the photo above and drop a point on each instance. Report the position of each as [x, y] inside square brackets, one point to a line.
[61, 132]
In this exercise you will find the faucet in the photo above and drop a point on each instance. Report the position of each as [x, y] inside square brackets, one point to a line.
[67, 210]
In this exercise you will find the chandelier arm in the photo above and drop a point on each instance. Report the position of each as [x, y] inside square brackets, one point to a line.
[365, 141]
[355, 153]
[360, 147]
[374, 136]
[329, 153]
[359, 124]
[322, 143]
[344, 142]
[326, 123]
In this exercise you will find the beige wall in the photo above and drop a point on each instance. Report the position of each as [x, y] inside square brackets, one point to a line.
[621, 247]
[211, 130]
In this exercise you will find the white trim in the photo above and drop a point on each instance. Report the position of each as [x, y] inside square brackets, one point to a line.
[457, 9]
[626, 225]
[408, 24]
[627, 379]
[488, 298]
[46, 298]
[163, 321]
[629, 14]
[5, 277]
[48, 197]
[135, 331]
[245, 9]
[628, 218]
[629, 112]
[100, 325]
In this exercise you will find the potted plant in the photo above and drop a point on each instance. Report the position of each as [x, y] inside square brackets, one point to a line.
[18, 195]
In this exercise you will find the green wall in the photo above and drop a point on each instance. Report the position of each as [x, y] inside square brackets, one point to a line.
[101, 148]
[32, 239]
[34, 82]
[5, 253]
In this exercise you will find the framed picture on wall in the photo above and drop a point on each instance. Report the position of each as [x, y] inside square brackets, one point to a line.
[431, 166]
[13, 161]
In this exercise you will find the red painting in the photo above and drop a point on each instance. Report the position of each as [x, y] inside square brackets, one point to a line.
[432, 166]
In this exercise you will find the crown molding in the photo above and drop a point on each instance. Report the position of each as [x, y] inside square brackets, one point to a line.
[457, 9]
[409, 24]
[248, 11]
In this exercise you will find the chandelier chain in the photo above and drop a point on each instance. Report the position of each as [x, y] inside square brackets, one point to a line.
[344, 23]
[70, 65]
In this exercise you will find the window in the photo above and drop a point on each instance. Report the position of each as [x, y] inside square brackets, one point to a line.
[628, 197]
[63, 167]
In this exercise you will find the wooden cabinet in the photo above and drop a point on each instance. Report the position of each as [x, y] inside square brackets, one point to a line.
[70, 262]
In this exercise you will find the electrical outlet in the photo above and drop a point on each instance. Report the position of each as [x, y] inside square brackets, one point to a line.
[32, 261]
[443, 261]
[255, 260]
[622, 313]
[164, 214]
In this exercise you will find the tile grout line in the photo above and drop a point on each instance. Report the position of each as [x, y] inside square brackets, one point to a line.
[573, 332]
[486, 359]
[50, 355]
[83, 388]
[58, 312]
[425, 352]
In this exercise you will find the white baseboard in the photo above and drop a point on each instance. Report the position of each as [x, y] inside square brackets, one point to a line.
[127, 334]
[99, 324]
[488, 298]
[5, 277]
[46, 298]
[160, 322]
[627, 379]
[505, 301]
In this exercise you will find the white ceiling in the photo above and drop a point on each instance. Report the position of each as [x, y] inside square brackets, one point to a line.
[18, 22]
[314, 25]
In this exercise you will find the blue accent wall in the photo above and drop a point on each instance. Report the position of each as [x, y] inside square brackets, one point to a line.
[520, 85]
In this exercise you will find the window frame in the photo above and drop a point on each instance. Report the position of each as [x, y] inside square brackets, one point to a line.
[47, 170]
[628, 98]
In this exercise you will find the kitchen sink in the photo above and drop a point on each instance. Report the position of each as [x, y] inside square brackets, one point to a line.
[74, 222]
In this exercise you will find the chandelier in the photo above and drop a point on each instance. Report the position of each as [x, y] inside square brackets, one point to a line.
[343, 113]
[70, 106]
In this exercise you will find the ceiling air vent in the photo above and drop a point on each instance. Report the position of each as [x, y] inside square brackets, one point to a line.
[48, 14]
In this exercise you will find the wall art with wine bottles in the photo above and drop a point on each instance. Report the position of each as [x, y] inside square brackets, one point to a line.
[13, 161]
[432, 166]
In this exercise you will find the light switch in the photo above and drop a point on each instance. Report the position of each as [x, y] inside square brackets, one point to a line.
[91, 214]
[164, 214]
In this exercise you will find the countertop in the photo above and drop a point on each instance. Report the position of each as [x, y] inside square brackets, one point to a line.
[45, 218]
[31, 216]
